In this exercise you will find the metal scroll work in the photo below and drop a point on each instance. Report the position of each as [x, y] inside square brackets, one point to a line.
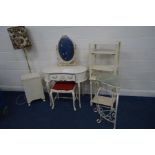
[108, 112]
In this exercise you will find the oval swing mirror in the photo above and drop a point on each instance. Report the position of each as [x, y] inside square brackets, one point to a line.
[65, 51]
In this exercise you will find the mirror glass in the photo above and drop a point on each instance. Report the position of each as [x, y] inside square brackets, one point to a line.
[66, 48]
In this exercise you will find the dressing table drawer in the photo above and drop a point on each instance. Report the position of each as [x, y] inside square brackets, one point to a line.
[62, 77]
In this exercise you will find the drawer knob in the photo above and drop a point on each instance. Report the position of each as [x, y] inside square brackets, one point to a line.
[54, 77]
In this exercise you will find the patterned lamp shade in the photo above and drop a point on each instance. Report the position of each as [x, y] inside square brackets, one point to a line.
[19, 37]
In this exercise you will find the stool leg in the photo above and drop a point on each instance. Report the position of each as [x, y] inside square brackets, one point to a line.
[58, 95]
[73, 95]
[51, 100]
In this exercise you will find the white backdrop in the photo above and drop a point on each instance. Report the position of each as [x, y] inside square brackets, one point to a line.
[136, 60]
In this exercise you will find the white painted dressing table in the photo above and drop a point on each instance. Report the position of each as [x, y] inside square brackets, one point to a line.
[66, 73]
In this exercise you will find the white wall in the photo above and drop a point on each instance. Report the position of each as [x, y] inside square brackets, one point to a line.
[136, 61]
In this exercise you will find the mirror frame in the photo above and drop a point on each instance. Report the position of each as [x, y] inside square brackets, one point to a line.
[62, 62]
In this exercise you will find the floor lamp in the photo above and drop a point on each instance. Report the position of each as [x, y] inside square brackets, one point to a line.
[20, 40]
[31, 82]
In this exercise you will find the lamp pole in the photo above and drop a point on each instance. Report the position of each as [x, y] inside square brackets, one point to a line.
[25, 52]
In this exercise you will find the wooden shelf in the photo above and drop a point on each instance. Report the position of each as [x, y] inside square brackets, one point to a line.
[92, 77]
[98, 54]
[107, 101]
[110, 52]
[109, 68]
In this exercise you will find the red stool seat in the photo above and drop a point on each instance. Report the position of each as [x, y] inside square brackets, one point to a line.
[64, 85]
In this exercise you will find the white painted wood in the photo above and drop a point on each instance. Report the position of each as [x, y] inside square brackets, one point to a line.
[102, 49]
[107, 101]
[66, 73]
[109, 68]
[103, 52]
[65, 69]
[112, 69]
[62, 77]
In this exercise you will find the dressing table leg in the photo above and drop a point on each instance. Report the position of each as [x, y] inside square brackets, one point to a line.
[73, 95]
[79, 91]
[91, 95]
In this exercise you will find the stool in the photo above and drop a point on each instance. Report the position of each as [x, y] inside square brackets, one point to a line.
[64, 87]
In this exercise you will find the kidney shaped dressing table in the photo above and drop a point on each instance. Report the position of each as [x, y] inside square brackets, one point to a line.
[67, 68]
[76, 73]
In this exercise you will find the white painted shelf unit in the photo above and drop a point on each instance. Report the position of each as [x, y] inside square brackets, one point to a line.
[95, 52]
